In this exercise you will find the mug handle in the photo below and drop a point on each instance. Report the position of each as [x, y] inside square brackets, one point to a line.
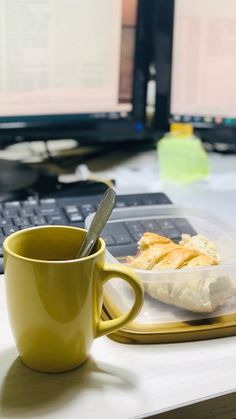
[110, 271]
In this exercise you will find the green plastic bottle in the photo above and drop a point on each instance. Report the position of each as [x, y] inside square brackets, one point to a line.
[182, 158]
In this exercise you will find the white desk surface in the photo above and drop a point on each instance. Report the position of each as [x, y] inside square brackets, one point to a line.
[129, 381]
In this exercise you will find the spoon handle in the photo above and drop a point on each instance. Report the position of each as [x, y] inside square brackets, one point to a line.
[100, 218]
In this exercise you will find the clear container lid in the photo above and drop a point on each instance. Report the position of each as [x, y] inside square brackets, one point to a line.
[179, 304]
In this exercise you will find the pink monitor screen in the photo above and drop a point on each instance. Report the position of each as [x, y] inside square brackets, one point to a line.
[203, 85]
[66, 56]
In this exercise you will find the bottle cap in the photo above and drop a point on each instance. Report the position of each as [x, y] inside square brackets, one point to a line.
[181, 129]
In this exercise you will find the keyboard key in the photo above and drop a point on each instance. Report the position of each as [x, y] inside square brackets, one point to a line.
[180, 222]
[150, 225]
[183, 226]
[87, 209]
[71, 209]
[5, 222]
[1, 251]
[12, 205]
[137, 236]
[47, 211]
[109, 240]
[123, 239]
[32, 203]
[10, 213]
[165, 224]
[21, 221]
[49, 202]
[134, 227]
[10, 230]
[73, 218]
[56, 219]
[115, 229]
[27, 212]
[173, 234]
[37, 220]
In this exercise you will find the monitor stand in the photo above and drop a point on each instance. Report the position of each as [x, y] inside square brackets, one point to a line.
[15, 177]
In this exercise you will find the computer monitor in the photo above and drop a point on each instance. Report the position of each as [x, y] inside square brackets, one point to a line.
[195, 58]
[73, 69]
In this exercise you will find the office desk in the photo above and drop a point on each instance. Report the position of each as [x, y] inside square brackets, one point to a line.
[140, 173]
[133, 381]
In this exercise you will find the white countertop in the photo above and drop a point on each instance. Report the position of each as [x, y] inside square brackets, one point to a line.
[140, 173]
[119, 381]
[127, 381]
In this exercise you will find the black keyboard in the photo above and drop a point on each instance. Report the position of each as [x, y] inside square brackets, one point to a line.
[72, 211]
[121, 237]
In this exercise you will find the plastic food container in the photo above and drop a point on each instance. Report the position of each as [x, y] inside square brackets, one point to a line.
[193, 288]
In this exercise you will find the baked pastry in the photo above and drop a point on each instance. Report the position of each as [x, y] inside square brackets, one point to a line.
[200, 295]
[157, 252]
[202, 292]
[201, 243]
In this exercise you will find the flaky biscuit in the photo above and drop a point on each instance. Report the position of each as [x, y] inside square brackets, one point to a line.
[176, 258]
[146, 259]
[149, 239]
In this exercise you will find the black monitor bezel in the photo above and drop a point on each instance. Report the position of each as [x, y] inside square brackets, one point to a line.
[98, 130]
[162, 56]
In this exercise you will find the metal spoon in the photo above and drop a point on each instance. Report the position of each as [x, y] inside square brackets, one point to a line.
[100, 218]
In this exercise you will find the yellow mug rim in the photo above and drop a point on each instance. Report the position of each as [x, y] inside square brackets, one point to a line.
[46, 261]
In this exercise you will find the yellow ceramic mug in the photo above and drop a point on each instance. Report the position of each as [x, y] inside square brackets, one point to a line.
[54, 301]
